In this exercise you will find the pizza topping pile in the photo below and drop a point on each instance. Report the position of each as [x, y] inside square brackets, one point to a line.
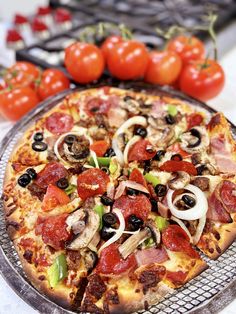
[126, 212]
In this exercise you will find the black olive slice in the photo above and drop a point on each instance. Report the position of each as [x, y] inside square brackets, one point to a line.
[39, 146]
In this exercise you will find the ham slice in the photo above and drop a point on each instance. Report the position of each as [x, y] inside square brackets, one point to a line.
[152, 255]
[216, 210]
[227, 192]
[158, 109]
[222, 155]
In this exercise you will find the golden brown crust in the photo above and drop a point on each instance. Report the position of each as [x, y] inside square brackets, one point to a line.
[138, 301]
[213, 247]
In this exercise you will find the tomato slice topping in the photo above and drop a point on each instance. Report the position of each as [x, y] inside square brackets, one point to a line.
[54, 197]
[138, 205]
[97, 105]
[51, 173]
[194, 119]
[53, 230]
[176, 239]
[177, 277]
[111, 262]
[92, 182]
[99, 147]
[137, 176]
[59, 122]
[141, 150]
[175, 148]
[173, 166]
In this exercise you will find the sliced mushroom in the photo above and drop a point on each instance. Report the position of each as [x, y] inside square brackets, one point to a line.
[77, 221]
[166, 138]
[94, 242]
[91, 226]
[154, 231]
[130, 104]
[90, 258]
[195, 140]
[133, 241]
[181, 179]
[78, 151]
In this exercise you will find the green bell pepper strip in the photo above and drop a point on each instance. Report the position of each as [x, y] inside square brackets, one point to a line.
[102, 161]
[149, 242]
[161, 223]
[70, 189]
[57, 271]
[152, 179]
[172, 110]
[99, 209]
[113, 166]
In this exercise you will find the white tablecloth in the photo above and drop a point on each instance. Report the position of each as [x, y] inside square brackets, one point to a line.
[10, 303]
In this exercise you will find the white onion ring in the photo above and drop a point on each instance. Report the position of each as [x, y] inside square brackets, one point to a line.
[130, 143]
[110, 190]
[127, 124]
[81, 132]
[195, 212]
[140, 120]
[182, 225]
[200, 227]
[129, 184]
[118, 231]
[117, 150]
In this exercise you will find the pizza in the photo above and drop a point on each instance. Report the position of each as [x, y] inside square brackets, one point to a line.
[113, 198]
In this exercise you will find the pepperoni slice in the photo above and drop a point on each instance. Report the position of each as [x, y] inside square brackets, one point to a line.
[137, 176]
[176, 239]
[173, 166]
[141, 150]
[194, 119]
[138, 205]
[54, 232]
[59, 122]
[92, 182]
[111, 262]
[175, 148]
[99, 147]
[176, 277]
[54, 197]
[51, 173]
[228, 196]
[97, 106]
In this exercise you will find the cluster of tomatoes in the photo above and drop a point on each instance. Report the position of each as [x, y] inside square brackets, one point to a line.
[24, 85]
[182, 64]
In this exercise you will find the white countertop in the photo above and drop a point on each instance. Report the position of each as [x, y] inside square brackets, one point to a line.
[10, 303]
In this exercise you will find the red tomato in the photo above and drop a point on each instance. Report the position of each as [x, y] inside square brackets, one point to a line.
[194, 119]
[92, 182]
[54, 197]
[138, 205]
[188, 48]
[177, 277]
[17, 102]
[22, 74]
[59, 122]
[128, 60]
[109, 44]
[140, 151]
[99, 147]
[84, 62]
[176, 239]
[111, 262]
[97, 106]
[137, 176]
[202, 79]
[50, 174]
[54, 232]
[173, 166]
[52, 82]
[163, 68]
[175, 148]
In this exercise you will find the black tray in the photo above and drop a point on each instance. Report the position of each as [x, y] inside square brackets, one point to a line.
[208, 293]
